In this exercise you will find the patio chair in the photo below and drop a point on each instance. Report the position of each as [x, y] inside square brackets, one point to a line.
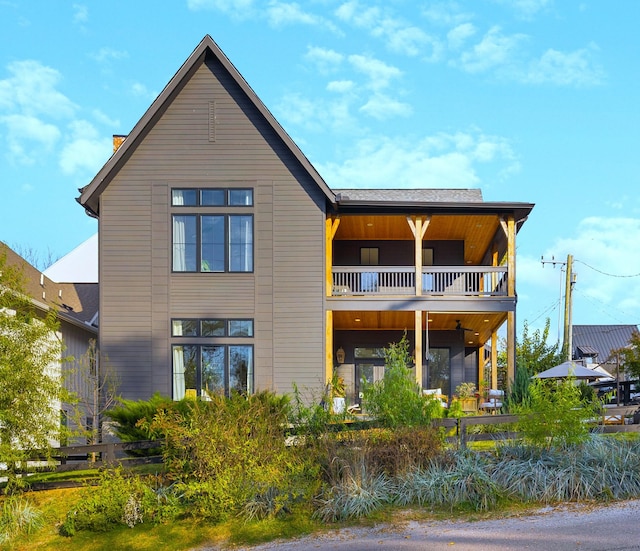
[494, 400]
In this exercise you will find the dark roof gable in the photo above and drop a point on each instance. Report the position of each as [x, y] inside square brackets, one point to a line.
[90, 194]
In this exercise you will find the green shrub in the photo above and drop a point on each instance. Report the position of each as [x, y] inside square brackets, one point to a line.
[18, 516]
[397, 400]
[555, 413]
[228, 452]
[118, 500]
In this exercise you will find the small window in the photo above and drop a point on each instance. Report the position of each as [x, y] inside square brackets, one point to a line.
[212, 328]
[241, 328]
[212, 197]
[369, 256]
[184, 197]
[240, 197]
[184, 328]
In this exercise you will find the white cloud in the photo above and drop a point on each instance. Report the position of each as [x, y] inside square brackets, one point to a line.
[237, 9]
[494, 50]
[280, 14]
[606, 253]
[457, 36]
[325, 60]
[140, 90]
[102, 118]
[341, 86]
[526, 8]
[399, 35]
[440, 161]
[108, 54]
[447, 14]
[379, 73]
[31, 90]
[381, 107]
[563, 69]
[80, 13]
[85, 150]
[28, 137]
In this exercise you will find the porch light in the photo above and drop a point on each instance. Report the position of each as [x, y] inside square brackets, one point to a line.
[340, 355]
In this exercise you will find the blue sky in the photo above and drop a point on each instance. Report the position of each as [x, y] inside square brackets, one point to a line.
[528, 100]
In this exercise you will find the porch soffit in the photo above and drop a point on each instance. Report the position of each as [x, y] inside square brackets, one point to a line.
[477, 327]
[476, 230]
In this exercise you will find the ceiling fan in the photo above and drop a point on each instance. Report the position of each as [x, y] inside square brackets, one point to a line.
[460, 328]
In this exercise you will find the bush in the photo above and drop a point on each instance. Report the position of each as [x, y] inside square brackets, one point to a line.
[228, 452]
[555, 413]
[18, 516]
[118, 500]
[397, 400]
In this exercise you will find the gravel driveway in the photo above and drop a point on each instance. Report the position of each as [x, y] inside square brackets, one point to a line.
[584, 527]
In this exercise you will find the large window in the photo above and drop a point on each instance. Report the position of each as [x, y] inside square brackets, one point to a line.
[210, 365]
[439, 370]
[212, 242]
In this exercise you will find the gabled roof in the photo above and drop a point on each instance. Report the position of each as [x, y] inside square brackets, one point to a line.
[76, 303]
[78, 266]
[90, 194]
[603, 339]
[412, 195]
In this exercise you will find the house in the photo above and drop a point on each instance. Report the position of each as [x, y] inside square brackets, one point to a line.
[598, 344]
[227, 262]
[76, 307]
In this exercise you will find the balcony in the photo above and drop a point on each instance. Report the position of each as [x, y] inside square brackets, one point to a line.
[471, 281]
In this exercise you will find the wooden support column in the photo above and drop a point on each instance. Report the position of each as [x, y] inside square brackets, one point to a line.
[418, 346]
[328, 369]
[418, 225]
[509, 228]
[494, 359]
[331, 227]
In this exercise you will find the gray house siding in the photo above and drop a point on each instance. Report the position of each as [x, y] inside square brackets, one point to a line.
[140, 294]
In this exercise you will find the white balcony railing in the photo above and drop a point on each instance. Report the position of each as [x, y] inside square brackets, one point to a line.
[484, 281]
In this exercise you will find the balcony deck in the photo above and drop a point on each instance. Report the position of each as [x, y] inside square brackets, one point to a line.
[472, 281]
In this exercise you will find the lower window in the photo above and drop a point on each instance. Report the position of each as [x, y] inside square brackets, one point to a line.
[205, 370]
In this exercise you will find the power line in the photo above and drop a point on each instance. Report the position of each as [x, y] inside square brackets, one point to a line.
[605, 273]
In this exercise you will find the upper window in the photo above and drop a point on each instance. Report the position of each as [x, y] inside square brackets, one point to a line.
[212, 197]
[212, 328]
[212, 242]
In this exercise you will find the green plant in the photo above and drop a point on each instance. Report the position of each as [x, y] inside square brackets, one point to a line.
[18, 516]
[397, 399]
[555, 413]
[116, 500]
[466, 390]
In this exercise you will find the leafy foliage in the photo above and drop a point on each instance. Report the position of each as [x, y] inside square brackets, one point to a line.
[396, 400]
[30, 374]
[630, 356]
[555, 413]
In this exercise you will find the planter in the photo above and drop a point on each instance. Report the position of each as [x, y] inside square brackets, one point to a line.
[469, 404]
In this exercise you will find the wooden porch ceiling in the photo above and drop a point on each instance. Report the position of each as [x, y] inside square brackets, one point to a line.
[476, 231]
[477, 327]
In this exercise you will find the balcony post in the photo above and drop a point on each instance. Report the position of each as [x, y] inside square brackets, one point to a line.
[418, 226]
[331, 227]
[418, 346]
[509, 227]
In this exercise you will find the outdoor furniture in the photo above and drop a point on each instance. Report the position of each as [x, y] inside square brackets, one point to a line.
[494, 400]
[436, 394]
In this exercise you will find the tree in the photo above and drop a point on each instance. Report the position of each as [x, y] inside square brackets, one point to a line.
[629, 357]
[31, 389]
[94, 384]
[533, 355]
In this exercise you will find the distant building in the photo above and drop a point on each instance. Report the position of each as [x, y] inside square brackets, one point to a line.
[597, 344]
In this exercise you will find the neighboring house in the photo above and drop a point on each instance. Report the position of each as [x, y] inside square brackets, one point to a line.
[76, 305]
[226, 262]
[597, 344]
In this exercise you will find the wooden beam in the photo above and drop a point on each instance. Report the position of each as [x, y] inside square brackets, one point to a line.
[511, 348]
[328, 369]
[418, 344]
[331, 227]
[494, 359]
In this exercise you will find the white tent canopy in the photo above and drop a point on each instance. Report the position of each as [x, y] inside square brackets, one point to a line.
[569, 369]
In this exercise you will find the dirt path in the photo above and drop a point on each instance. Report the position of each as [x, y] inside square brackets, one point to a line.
[568, 527]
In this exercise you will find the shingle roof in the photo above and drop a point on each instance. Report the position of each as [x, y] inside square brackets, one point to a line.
[411, 195]
[602, 338]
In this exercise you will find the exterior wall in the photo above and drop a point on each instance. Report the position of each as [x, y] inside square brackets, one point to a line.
[398, 253]
[140, 295]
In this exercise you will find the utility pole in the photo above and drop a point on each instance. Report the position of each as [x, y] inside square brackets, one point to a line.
[567, 345]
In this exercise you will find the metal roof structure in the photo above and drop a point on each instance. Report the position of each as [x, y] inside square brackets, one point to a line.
[602, 339]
